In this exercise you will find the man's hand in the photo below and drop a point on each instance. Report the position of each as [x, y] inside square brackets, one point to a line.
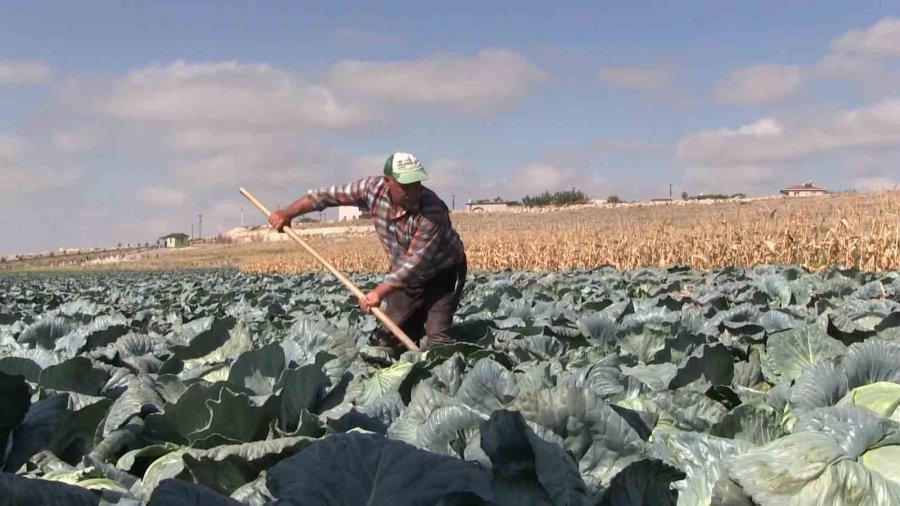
[280, 219]
[373, 299]
[369, 301]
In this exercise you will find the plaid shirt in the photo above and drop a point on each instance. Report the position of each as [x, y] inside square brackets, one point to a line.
[419, 244]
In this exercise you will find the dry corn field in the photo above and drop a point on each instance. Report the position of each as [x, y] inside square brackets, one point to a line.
[861, 230]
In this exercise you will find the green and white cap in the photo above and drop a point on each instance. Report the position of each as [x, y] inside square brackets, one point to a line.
[405, 168]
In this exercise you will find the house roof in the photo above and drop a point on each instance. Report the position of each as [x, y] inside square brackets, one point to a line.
[177, 235]
[807, 186]
[496, 201]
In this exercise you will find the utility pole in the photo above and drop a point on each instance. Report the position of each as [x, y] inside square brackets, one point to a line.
[200, 232]
[192, 231]
[454, 202]
[670, 191]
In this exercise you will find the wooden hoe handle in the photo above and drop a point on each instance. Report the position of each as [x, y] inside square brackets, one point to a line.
[349, 284]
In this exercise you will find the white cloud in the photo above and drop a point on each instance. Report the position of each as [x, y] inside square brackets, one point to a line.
[450, 177]
[18, 181]
[728, 180]
[209, 140]
[770, 140]
[24, 169]
[759, 84]
[226, 169]
[841, 65]
[14, 73]
[10, 147]
[362, 166]
[210, 159]
[871, 74]
[227, 94]
[536, 178]
[873, 171]
[226, 124]
[629, 147]
[647, 79]
[75, 141]
[863, 56]
[494, 77]
[869, 184]
[162, 196]
[224, 215]
[360, 36]
[204, 129]
[145, 230]
[270, 162]
[881, 39]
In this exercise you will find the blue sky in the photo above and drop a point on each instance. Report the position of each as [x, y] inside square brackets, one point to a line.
[120, 123]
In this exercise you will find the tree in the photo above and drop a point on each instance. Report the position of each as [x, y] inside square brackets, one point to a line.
[684, 195]
[560, 198]
[614, 199]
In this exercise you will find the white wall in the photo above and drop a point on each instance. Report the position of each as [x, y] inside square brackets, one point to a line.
[798, 193]
[489, 207]
[348, 213]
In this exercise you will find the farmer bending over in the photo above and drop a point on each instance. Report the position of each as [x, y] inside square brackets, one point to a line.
[428, 261]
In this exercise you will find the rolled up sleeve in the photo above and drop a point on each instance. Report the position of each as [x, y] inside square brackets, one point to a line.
[351, 194]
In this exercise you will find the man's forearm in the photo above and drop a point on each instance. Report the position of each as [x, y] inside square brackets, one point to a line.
[303, 205]
[384, 289]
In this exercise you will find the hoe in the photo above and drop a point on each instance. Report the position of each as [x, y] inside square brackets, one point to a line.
[343, 279]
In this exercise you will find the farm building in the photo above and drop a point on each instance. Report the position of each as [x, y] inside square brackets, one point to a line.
[346, 213]
[485, 205]
[177, 240]
[807, 188]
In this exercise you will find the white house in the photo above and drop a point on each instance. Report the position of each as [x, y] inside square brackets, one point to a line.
[347, 213]
[807, 188]
[177, 240]
[486, 205]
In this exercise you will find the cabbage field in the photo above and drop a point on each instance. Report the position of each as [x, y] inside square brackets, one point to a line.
[770, 385]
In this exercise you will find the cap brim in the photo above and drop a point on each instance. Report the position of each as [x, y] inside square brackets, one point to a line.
[411, 177]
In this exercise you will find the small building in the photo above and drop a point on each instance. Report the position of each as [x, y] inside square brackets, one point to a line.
[177, 240]
[490, 205]
[807, 188]
[348, 213]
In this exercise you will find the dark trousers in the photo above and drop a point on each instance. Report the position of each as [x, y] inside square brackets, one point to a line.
[425, 310]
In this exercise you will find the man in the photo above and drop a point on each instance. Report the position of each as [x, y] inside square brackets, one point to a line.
[427, 257]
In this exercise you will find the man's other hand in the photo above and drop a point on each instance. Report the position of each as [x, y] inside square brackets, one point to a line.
[280, 219]
[369, 301]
